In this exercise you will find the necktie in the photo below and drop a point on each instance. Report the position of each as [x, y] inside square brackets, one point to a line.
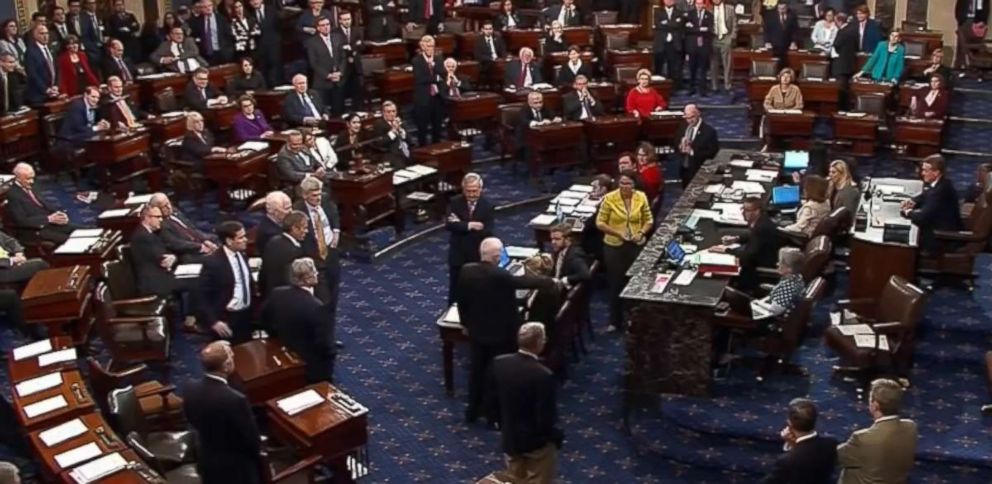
[51, 66]
[62, 31]
[33, 198]
[537, 114]
[90, 116]
[125, 74]
[330, 47]
[6, 98]
[492, 47]
[126, 111]
[190, 233]
[75, 23]
[243, 275]
[305, 100]
[430, 71]
[318, 228]
[347, 35]
[261, 13]
[783, 20]
[95, 22]
[523, 75]
[471, 208]
[428, 9]
[207, 38]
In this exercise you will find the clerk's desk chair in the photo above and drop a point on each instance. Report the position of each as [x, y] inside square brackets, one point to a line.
[957, 250]
[817, 253]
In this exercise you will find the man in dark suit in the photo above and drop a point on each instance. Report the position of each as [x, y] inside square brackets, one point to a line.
[523, 71]
[117, 64]
[277, 206]
[74, 17]
[566, 13]
[119, 109]
[349, 38]
[212, 34]
[15, 268]
[429, 12]
[58, 29]
[229, 445]
[487, 308]
[379, 19]
[580, 104]
[39, 68]
[329, 65]
[669, 31]
[153, 264]
[124, 27]
[428, 80]
[179, 233]
[488, 47]
[781, 32]
[227, 285]
[471, 218]
[199, 93]
[11, 84]
[303, 107]
[570, 267]
[535, 115]
[809, 458]
[844, 57]
[300, 320]
[29, 210]
[268, 53]
[523, 391]
[323, 236]
[758, 246]
[91, 33]
[697, 142]
[937, 207]
[393, 140]
[282, 250]
[453, 84]
[699, 46]
[294, 163]
[83, 118]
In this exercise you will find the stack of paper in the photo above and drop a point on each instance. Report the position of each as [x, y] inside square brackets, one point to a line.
[39, 384]
[748, 186]
[567, 201]
[580, 188]
[82, 453]
[85, 233]
[63, 432]
[685, 277]
[77, 245]
[44, 406]
[68, 354]
[138, 199]
[254, 146]
[32, 349]
[714, 189]
[99, 468]
[870, 341]
[301, 401]
[854, 329]
[661, 282]
[113, 213]
[761, 175]
[188, 270]
[717, 259]
[741, 163]
[422, 169]
[284, 87]
[517, 252]
[760, 309]
[173, 114]
[543, 219]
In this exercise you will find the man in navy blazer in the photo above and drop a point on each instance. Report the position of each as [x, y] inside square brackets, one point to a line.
[523, 71]
[428, 106]
[809, 458]
[91, 33]
[470, 220]
[227, 285]
[39, 67]
[781, 31]
[303, 107]
[699, 45]
[937, 207]
[83, 119]
[213, 35]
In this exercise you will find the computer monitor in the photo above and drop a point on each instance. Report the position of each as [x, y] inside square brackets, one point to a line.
[796, 160]
[785, 196]
[675, 251]
[504, 258]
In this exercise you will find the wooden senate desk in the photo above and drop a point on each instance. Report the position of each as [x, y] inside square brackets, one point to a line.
[266, 369]
[874, 256]
[474, 110]
[122, 218]
[921, 137]
[45, 358]
[793, 129]
[166, 127]
[57, 105]
[553, 145]
[103, 248]
[552, 97]
[631, 30]
[108, 149]
[152, 84]
[65, 398]
[819, 96]
[220, 117]
[741, 58]
[365, 198]
[235, 170]
[642, 58]
[19, 138]
[475, 15]
[867, 86]
[797, 58]
[910, 89]
[393, 51]
[50, 448]
[395, 82]
[860, 130]
[661, 128]
[335, 429]
[452, 159]
[452, 333]
[609, 135]
[669, 340]
[132, 470]
[219, 75]
[58, 297]
[269, 102]
[519, 38]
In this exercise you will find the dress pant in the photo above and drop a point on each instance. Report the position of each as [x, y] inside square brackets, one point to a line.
[721, 63]
[618, 260]
[699, 65]
[13, 313]
[671, 59]
[330, 277]
[334, 98]
[56, 234]
[241, 325]
[353, 90]
[22, 273]
[534, 467]
[429, 113]
[481, 356]
[453, 272]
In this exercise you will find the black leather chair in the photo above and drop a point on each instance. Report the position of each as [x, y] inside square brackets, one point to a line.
[170, 448]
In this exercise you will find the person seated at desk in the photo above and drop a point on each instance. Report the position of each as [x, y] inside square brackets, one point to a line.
[573, 68]
[247, 81]
[566, 14]
[15, 268]
[757, 247]
[250, 123]
[937, 67]
[344, 143]
[179, 233]
[569, 267]
[393, 140]
[294, 162]
[117, 64]
[933, 104]
[642, 99]
[227, 286]
[887, 62]
[783, 96]
[281, 250]
[580, 104]
[199, 94]
[74, 69]
[937, 207]
[198, 142]
[178, 53]
[303, 107]
[488, 47]
[523, 71]
[508, 18]
[649, 172]
[82, 120]
[555, 40]
[319, 149]
[122, 112]
[842, 190]
[12, 85]
[154, 265]
[814, 208]
[534, 115]
[825, 31]
[453, 84]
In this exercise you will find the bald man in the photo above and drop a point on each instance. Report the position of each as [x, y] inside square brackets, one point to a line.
[229, 442]
[31, 211]
[277, 205]
[696, 141]
[179, 233]
[303, 107]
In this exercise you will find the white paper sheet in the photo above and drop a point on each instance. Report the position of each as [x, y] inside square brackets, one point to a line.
[301, 401]
[254, 146]
[77, 245]
[188, 270]
[68, 354]
[138, 199]
[117, 212]
[85, 233]
[868, 341]
[82, 453]
[32, 349]
[580, 188]
[451, 316]
[517, 252]
[44, 406]
[99, 468]
[39, 384]
[543, 219]
[853, 329]
[62, 432]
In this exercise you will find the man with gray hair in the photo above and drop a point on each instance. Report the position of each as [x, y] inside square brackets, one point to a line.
[884, 452]
[470, 219]
[11, 84]
[179, 233]
[523, 393]
[299, 320]
[277, 205]
[9, 473]
[487, 307]
[281, 251]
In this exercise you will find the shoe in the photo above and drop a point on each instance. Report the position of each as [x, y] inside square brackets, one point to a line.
[338, 344]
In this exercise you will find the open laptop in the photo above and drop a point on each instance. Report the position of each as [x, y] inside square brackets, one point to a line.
[675, 252]
[785, 196]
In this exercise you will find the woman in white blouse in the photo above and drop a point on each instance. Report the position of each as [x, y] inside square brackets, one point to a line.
[825, 31]
[320, 149]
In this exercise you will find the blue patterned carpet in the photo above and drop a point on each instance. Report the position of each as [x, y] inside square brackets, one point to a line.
[392, 364]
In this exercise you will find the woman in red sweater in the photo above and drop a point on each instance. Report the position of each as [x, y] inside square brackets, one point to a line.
[75, 74]
[652, 178]
[643, 99]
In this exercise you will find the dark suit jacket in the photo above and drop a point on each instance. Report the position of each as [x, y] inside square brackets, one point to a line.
[294, 167]
[111, 68]
[217, 283]
[759, 248]
[464, 86]
[239, 85]
[266, 229]
[512, 74]
[552, 46]
[503, 21]
[279, 253]
[310, 247]
[846, 45]
[300, 321]
[15, 93]
[463, 245]
[528, 407]
[936, 209]
[195, 149]
[89, 37]
[75, 126]
[147, 251]
[126, 29]
[526, 116]
[572, 106]
[379, 20]
[809, 462]
[352, 54]
[961, 11]
[23, 212]
[566, 77]
[181, 240]
[482, 51]
[55, 38]
[551, 14]
[424, 76]
[225, 38]
[194, 99]
[664, 25]
[229, 443]
[189, 51]
[390, 147]
[39, 76]
[115, 115]
[323, 64]
[574, 267]
[294, 109]
[779, 35]
[696, 32]
[705, 145]
[418, 9]
[487, 302]
[271, 35]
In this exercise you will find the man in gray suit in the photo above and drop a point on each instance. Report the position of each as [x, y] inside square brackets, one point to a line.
[178, 53]
[885, 451]
[724, 39]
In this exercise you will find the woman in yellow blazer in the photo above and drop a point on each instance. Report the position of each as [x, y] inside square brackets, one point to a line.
[625, 220]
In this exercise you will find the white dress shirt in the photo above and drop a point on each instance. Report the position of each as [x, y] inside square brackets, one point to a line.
[241, 296]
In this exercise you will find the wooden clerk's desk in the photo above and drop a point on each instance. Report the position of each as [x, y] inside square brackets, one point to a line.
[451, 158]
[365, 198]
[609, 135]
[921, 137]
[72, 389]
[265, 369]
[97, 432]
[27, 368]
[794, 129]
[57, 297]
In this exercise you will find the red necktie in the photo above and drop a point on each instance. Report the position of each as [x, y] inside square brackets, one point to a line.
[430, 70]
[523, 75]
[428, 9]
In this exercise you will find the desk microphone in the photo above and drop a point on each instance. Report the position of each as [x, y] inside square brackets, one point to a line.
[78, 393]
